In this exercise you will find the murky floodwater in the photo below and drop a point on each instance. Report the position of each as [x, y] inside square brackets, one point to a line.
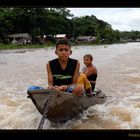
[118, 76]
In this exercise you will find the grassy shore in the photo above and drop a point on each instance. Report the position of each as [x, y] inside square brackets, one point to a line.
[12, 46]
[35, 46]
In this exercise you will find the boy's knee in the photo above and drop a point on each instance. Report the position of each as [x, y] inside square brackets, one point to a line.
[78, 90]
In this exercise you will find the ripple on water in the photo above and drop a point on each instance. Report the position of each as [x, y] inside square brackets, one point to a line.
[122, 113]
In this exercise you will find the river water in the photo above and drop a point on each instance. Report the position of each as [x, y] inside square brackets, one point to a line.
[118, 77]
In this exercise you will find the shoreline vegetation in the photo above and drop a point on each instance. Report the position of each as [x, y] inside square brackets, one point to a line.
[25, 28]
[37, 46]
[12, 46]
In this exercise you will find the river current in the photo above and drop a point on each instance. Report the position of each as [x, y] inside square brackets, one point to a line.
[118, 68]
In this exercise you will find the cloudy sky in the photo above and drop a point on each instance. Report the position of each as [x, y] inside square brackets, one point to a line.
[122, 19]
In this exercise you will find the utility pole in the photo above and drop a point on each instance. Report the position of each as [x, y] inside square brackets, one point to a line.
[73, 29]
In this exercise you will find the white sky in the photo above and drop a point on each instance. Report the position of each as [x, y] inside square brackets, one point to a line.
[122, 19]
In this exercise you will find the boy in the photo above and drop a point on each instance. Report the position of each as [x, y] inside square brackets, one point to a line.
[90, 70]
[63, 71]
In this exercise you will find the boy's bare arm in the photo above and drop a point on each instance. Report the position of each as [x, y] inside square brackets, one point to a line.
[50, 77]
[76, 74]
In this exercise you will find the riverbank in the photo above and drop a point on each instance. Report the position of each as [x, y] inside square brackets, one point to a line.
[35, 46]
[12, 46]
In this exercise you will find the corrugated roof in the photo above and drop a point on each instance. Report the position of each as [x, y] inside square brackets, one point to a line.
[60, 35]
[18, 35]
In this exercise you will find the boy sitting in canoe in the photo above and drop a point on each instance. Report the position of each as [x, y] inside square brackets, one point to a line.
[63, 72]
[90, 70]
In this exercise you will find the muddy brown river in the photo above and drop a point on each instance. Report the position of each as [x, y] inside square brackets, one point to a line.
[118, 77]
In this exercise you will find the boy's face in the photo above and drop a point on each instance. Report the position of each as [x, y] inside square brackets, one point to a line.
[63, 52]
[87, 61]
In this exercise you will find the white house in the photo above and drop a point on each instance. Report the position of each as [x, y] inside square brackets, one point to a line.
[61, 36]
[20, 38]
[86, 39]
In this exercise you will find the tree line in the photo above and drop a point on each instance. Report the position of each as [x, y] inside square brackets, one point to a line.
[52, 21]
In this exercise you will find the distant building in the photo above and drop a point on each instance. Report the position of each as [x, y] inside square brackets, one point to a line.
[46, 39]
[60, 36]
[85, 39]
[137, 40]
[20, 38]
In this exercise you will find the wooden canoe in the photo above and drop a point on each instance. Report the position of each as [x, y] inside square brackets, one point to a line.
[63, 106]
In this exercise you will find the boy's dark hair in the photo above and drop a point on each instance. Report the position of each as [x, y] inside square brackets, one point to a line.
[89, 56]
[64, 42]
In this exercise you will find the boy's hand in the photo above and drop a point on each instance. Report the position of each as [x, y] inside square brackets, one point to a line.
[63, 87]
[56, 88]
[50, 87]
[53, 87]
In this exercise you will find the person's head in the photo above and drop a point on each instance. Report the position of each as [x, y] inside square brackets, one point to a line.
[63, 49]
[87, 59]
